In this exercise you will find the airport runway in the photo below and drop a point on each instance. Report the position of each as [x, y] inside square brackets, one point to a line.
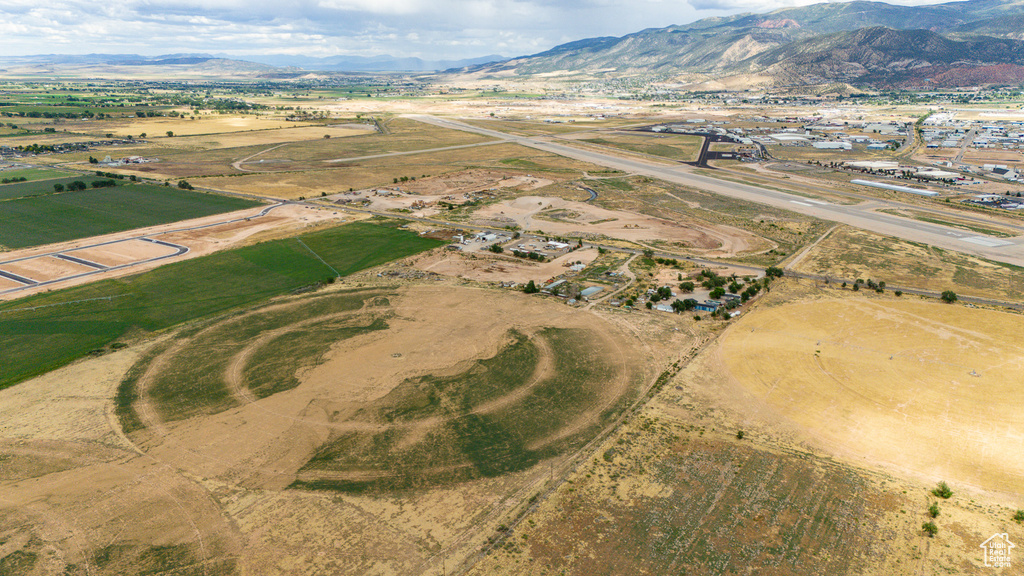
[864, 216]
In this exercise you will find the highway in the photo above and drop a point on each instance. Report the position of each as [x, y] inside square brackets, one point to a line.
[864, 216]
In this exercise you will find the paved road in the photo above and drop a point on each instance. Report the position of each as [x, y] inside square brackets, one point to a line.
[968, 140]
[862, 215]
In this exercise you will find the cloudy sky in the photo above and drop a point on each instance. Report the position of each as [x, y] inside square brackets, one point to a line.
[430, 29]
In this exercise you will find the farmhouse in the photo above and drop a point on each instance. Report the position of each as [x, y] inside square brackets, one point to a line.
[708, 305]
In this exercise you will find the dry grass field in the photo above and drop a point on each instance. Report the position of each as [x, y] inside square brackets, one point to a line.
[921, 387]
[850, 253]
[182, 126]
[335, 178]
[840, 451]
[319, 434]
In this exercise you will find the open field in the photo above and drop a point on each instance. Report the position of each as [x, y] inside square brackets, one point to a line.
[498, 406]
[32, 174]
[267, 137]
[40, 333]
[203, 124]
[86, 213]
[667, 499]
[268, 151]
[770, 233]
[992, 229]
[511, 158]
[521, 379]
[905, 384]
[851, 253]
[683, 148]
[487, 267]
[576, 219]
[42, 187]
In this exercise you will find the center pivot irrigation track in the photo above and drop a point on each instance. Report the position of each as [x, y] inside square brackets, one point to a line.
[68, 255]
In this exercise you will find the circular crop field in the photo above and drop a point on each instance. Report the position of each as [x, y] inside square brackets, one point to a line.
[929, 388]
[380, 389]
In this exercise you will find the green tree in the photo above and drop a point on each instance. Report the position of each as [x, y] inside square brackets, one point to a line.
[1018, 516]
[942, 491]
[170, 133]
[687, 286]
[948, 296]
[773, 272]
[717, 292]
[531, 288]
[930, 529]
[58, 187]
[933, 510]
[496, 248]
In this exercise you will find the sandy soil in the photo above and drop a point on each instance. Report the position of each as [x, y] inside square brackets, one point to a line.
[564, 218]
[920, 387]
[122, 252]
[486, 267]
[45, 268]
[282, 220]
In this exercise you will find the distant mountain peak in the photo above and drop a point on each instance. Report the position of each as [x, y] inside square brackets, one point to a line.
[859, 41]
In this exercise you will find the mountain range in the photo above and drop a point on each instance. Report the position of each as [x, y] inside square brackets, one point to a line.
[870, 43]
[262, 65]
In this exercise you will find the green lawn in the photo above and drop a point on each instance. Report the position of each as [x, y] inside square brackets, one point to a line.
[37, 341]
[31, 221]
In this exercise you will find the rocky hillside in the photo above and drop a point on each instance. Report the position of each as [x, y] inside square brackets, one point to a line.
[870, 42]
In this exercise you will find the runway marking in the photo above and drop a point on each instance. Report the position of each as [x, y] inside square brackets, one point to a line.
[802, 203]
[818, 202]
[986, 241]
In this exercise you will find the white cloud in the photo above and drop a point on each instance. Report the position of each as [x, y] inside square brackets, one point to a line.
[432, 29]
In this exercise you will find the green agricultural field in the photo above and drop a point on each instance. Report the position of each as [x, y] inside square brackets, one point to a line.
[82, 214]
[42, 187]
[44, 332]
[32, 174]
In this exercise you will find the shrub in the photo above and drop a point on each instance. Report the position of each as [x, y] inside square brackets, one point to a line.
[942, 491]
[948, 296]
[1018, 516]
[933, 510]
[740, 434]
[930, 529]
